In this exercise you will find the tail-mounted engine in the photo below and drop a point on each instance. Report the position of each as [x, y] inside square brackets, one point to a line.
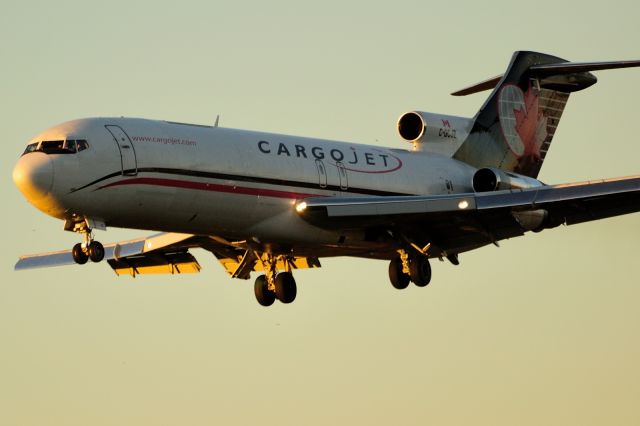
[492, 179]
[418, 126]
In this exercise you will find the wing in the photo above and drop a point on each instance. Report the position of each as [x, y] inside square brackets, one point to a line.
[168, 253]
[159, 253]
[461, 222]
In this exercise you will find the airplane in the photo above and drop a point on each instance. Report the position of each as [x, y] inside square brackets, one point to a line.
[273, 203]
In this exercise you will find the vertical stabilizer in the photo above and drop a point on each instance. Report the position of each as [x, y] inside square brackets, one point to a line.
[514, 128]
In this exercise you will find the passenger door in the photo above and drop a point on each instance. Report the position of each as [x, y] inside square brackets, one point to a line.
[127, 151]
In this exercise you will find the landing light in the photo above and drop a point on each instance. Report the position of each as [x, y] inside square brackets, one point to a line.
[463, 204]
[300, 207]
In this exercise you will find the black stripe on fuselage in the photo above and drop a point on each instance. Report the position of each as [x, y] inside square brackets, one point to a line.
[241, 178]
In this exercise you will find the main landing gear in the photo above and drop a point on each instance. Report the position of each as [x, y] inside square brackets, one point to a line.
[273, 285]
[412, 267]
[89, 249]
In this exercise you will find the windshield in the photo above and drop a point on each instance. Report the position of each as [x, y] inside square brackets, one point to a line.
[69, 146]
[31, 147]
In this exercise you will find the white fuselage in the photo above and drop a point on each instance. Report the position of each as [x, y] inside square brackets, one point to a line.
[204, 180]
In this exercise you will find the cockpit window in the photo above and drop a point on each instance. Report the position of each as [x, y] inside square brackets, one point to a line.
[81, 144]
[56, 147]
[69, 146]
[31, 147]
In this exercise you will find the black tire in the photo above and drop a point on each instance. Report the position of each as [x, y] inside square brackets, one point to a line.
[420, 271]
[398, 279]
[79, 256]
[286, 289]
[264, 296]
[96, 251]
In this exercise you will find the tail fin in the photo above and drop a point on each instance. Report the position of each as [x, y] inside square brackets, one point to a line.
[514, 128]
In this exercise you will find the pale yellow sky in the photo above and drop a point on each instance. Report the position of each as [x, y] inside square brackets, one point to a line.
[545, 329]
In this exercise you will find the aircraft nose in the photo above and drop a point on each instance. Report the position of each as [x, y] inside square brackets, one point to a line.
[33, 175]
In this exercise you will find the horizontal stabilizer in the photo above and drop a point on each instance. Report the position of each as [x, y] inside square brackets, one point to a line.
[479, 87]
[575, 67]
[546, 70]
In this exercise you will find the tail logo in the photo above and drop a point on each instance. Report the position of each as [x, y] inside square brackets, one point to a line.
[523, 123]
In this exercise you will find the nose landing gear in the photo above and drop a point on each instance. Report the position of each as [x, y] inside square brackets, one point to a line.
[89, 249]
[82, 252]
[79, 254]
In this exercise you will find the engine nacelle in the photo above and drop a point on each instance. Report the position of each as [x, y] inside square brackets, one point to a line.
[532, 220]
[418, 126]
[492, 179]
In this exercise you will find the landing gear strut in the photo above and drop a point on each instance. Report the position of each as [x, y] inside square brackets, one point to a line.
[89, 248]
[273, 285]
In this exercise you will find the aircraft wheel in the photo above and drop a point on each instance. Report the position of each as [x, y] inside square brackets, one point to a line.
[398, 278]
[420, 271]
[286, 287]
[96, 251]
[264, 296]
[79, 256]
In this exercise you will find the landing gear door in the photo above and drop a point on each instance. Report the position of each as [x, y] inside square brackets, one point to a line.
[127, 151]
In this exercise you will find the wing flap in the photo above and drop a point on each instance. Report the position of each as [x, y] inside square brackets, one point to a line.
[157, 263]
[385, 206]
[242, 265]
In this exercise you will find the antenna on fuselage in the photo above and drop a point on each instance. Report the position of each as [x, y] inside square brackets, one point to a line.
[217, 121]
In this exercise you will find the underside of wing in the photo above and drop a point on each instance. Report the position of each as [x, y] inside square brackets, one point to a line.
[168, 253]
[159, 253]
[461, 222]
[239, 259]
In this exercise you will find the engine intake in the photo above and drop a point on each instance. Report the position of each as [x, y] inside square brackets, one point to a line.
[492, 179]
[411, 126]
[419, 126]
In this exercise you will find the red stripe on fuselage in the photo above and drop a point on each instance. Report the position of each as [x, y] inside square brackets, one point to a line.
[200, 186]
